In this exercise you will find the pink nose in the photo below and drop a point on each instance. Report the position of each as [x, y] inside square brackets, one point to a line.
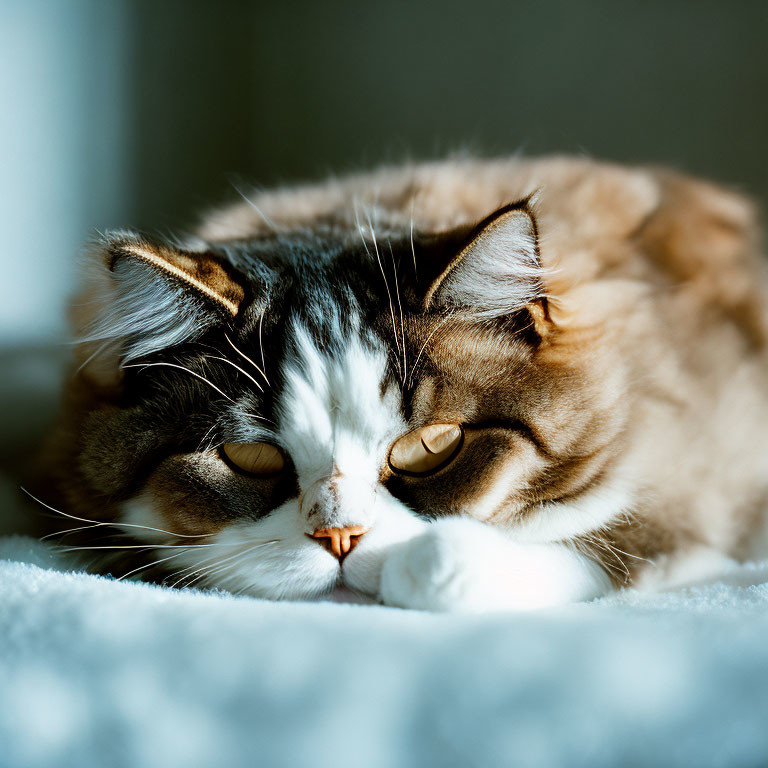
[340, 541]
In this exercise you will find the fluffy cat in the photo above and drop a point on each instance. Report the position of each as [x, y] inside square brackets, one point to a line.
[469, 385]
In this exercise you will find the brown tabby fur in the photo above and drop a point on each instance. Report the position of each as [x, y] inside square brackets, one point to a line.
[659, 275]
[650, 361]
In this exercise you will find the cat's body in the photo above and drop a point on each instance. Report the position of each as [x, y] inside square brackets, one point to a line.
[588, 370]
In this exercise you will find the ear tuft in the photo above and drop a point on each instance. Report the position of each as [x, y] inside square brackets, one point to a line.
[498, 271]
[142, 297]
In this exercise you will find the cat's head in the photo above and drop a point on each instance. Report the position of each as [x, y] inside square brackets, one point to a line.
[273, 415]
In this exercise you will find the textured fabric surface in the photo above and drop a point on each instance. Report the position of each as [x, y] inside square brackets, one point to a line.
[95, 672]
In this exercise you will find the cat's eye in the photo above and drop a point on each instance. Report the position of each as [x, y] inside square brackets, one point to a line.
[426, 450]
[261, 459]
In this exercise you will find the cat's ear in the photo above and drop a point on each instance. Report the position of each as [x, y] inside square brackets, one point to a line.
[494, 270]
[143, 296]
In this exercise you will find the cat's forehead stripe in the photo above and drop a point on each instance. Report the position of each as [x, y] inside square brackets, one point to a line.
[335, 407]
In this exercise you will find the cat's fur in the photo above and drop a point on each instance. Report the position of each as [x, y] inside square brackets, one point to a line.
[605, 353]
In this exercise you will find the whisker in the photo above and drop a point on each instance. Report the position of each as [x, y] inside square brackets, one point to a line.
[629, 554]
[386, 285]
[149, 565]
[181, 368]
[181, 570]
[424, 346]
[72, 530]
[245, 357]
[94, 354]
[196, 565]
[271, 224]
[613, 551]
[201, 562]
[206, 436]
[590, 551]
[400, 306]
[261, 347]
[144, 546]
[215, 567]
[117, 525]
[234, 365]
[378, 258]
[413, 248]
[360, 229]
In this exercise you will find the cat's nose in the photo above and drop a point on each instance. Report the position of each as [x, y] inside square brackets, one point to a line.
[340, 541]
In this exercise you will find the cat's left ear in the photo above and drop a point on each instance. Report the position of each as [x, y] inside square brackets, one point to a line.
[144, 295]
[199, 273]
[496, 271]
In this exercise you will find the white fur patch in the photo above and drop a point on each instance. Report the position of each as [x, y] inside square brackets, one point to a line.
[333, 417]
[460, 564]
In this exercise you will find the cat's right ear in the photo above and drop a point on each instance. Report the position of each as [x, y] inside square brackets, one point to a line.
[495, 271]
[143, 296]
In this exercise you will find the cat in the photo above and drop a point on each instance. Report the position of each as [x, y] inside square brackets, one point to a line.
[465, 385]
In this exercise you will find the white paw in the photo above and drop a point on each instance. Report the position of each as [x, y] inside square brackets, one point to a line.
[432, 572]
[464, 565]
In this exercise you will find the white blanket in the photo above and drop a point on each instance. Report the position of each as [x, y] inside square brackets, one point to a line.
[95, 672]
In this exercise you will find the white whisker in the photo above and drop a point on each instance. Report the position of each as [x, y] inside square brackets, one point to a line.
[206, 436]
[149, 565]
[94, 354]
[271, 224]
[196, 565]
[218, 565]
[212, 559]
[413, 247]
[400, 307]
[248, 359]
[261, 348]
[234, 365]
[181, 368]
[424, 346]
[215, 568]
[386, 285]
[117, 525]
[144, 546]
[72, 530]
[629, 554]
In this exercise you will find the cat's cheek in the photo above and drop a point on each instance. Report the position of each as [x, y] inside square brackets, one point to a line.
[272, 558]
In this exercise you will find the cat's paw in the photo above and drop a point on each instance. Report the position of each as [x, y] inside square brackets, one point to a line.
[464, 565]
[435, 571]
